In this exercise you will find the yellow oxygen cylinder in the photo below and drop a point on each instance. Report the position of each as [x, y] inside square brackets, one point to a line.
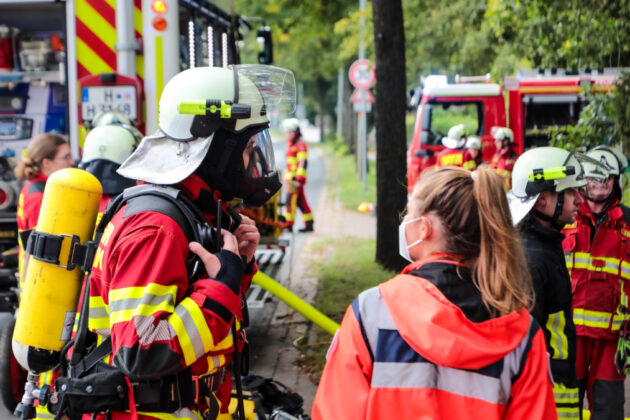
[50, 294]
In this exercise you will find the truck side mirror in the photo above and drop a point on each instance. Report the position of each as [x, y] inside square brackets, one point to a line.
[263, 36]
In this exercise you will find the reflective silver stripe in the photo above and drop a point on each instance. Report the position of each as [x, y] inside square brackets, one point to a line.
[191, 330]
[428, 375]
[133, 303]
[374, 315]
[97, 312]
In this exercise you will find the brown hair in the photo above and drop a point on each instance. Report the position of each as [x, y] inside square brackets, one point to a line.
[42, 146]
[478, 229]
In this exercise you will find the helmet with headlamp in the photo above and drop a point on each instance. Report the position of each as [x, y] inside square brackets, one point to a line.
[208, 118]
[545, 169]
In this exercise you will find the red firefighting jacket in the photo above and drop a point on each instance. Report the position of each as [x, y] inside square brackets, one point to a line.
[470, 163]
[450, 157]
[139, 293]
[297, 160]
[598, 259]
[503, 163]
[405, 351]
[29, 203]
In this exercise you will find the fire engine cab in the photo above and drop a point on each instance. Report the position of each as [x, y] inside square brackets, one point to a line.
[537, 100]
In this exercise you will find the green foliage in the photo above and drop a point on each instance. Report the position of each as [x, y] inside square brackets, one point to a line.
[343, 180]
[621, 107]
[594, 126]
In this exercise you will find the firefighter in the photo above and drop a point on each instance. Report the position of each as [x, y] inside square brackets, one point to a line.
[544, 198]
[503, 160]
[171, 338]
[451, 337]
[106, 147]
[596, 250]
[472, 155]
[295, 176]
[453, 142]
[45, 154]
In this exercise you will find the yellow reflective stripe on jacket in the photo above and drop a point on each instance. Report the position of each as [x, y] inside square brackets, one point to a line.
[301, 172]
[558, 341]
[302, 155]
[291, 160]
[596, 319]
[193, 333]
[452, 159]
[288, 176]
[567, 401]
[98, 315]
[585, 261]
[184, 413]
[470, 165]
[125, 303]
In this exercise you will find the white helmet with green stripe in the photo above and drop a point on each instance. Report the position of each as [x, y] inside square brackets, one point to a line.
[544, 169]
[222, 110]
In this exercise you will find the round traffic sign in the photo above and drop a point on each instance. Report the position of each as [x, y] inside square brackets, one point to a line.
[362, 74]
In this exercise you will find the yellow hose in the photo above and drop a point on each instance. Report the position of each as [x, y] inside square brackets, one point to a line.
[291, 299]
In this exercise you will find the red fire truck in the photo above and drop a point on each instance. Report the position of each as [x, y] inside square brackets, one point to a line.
[537, 100]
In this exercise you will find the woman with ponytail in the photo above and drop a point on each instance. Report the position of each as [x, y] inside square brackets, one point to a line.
[46, 153]
[451, 337]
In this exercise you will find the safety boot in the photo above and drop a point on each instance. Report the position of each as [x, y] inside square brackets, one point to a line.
[308, 227]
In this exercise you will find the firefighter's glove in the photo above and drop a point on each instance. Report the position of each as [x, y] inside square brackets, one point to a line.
[292, 186]
[231, 271]
[225, 266]
[622, 356]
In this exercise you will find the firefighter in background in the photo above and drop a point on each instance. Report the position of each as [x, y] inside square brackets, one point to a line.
[454, 141]
[45, 154]
[597, 248]
[451, 337]
[544, 198]
[505, 157]
[472, 155]
[295, 176]
[167, 333]
[106, 147]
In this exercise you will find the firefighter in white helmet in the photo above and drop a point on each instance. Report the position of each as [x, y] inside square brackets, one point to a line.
[503, 160]
[106, 147]
[295, 176]
[544, 198]
[454, 142]
[472, 155]
[596, 251]
[171, 307]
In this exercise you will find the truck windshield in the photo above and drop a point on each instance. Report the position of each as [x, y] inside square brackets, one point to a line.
[444, 115]
[541, 112]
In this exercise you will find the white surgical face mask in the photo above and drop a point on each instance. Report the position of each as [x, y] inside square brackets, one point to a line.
[403, 248]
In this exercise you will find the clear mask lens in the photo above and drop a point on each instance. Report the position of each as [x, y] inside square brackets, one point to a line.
[259, 154]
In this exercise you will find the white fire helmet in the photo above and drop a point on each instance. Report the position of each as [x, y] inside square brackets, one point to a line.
[291, 124]
[502, 133]
[473, 142]
[196, 103]
[456, 137]
[541, 169]
[610, 157]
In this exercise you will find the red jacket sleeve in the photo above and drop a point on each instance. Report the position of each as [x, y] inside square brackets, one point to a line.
[158, 324]
[532, 393]
[345, 384]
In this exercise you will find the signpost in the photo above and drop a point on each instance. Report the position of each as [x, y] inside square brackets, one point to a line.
[362, 77]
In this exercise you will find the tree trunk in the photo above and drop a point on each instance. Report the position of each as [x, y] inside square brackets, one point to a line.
[391, 144]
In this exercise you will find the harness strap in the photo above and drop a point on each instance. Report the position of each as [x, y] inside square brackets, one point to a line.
[47, 247]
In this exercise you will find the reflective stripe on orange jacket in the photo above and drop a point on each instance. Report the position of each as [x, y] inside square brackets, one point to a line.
[598, 259]
[405, 351]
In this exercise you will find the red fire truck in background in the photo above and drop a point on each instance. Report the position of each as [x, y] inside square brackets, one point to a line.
[536, 101]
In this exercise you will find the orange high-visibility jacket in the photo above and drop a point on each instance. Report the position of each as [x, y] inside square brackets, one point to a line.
[598, 258]
[297, 161]
[404, 351]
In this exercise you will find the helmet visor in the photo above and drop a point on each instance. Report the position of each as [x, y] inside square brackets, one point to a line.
[258, 157]
[584, 166]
